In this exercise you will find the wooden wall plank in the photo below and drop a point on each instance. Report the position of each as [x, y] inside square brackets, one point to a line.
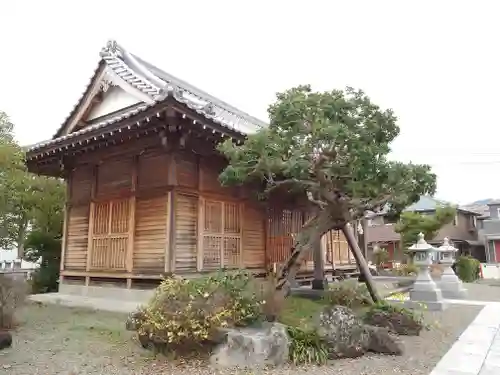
[186, 232]
[186, 170]
[82, 178]
[114, 177]
[254, 237]
[150, 239]
[153, 171]
[75, 257]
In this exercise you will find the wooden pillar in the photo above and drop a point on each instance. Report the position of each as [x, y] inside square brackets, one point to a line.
[170, 260]
[201, 223]
[241, 213]
[91, 223]
[131, 222]
[64, 239]
[168, 214]
[201, 216]
[171, 207]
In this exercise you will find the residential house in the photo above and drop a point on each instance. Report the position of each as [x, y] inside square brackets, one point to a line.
[462, 231]
[489, 228]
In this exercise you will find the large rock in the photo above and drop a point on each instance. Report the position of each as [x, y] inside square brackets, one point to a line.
[347, 336]
[400, 322]
[253, 347]
[383, 341]
[5, 340]
[343, 332]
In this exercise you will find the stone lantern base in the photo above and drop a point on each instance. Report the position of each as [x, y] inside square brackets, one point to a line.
[452, 287]
[425, 292]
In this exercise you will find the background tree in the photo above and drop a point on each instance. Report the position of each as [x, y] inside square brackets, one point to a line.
[329, 149]
[410, 224]
[31, 207]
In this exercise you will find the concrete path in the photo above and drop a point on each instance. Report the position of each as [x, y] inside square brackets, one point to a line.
[477, 350]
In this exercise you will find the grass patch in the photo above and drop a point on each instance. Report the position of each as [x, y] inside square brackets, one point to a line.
[300, 312]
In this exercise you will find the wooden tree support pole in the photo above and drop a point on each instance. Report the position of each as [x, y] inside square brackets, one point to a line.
[318, 282]
[361, 261]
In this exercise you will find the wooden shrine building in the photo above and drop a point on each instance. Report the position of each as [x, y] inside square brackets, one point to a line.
[143, 197]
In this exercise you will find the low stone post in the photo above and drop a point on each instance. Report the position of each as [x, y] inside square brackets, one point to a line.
[424, 290]
[451, 286]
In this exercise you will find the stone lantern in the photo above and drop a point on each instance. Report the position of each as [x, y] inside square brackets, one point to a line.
[451, 286]
[425, 290]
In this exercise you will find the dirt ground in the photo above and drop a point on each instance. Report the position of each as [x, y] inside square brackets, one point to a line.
[52, 339]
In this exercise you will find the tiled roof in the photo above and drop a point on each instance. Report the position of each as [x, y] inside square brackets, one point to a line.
[158, 85]
[427, 203]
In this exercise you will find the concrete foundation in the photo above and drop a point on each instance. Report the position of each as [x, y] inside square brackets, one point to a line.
[121, 294]
[104, 298]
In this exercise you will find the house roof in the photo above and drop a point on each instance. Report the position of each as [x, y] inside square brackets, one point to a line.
[152, 85]
[427, 203]
[382, 233]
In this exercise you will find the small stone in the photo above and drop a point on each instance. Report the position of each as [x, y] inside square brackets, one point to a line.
[5, 340]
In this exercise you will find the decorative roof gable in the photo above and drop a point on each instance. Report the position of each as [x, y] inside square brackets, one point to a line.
[150, 85]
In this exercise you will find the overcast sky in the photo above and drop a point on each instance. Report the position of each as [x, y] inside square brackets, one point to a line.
[436, 63]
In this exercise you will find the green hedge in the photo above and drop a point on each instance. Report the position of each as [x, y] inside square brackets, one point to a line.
[467, 268]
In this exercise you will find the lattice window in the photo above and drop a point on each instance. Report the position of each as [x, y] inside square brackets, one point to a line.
[110, 235]
[221, 245]
[337, 248]
[282, 226]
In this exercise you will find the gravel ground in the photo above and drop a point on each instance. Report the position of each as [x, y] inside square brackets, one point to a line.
[58, 340]
[484, 290]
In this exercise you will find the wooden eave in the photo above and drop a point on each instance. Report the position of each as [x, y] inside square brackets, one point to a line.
[157, 91]
[155, 118]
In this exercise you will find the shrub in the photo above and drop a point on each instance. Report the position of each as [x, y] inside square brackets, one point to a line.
[306, 347]
[409, 269]
[349, 293]
[380, 257]
[12, 295]
[186, 312]
[467, 268]
[46, 249]
[273, 303]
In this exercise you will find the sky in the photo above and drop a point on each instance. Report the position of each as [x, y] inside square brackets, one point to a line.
[435, 63]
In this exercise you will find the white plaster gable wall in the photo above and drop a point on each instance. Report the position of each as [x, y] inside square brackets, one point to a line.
[114, 100]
